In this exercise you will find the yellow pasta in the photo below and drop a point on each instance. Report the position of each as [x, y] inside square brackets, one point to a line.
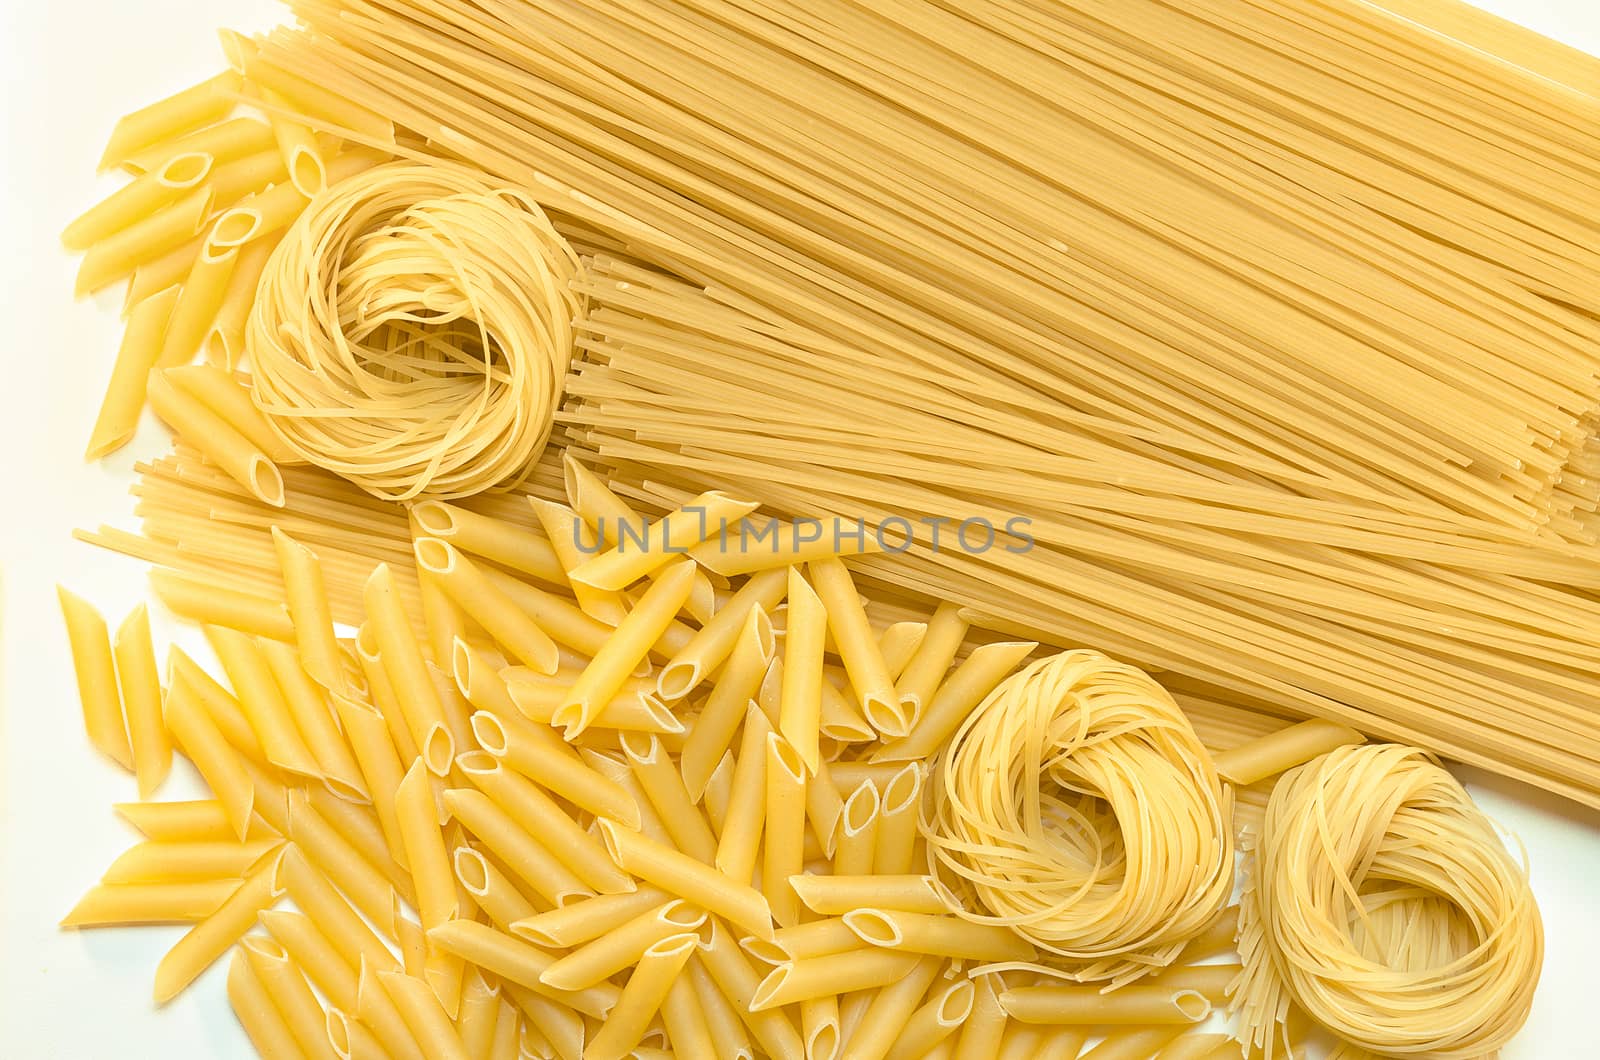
[140, 684]
[177, 114]
[858, 647]
[738, 845]
[716, 640]
[263, 1023]
[532, 862]
[224, 341]
[288, 990]
[943, 936]
[183, 821]
[642, 550]
[97, 678]
[838, 894]
[297, 146]
[136, 200]
[212, 604]
[641, 998]
[955, 698]
[211, 937]
[895, 839]
[490, 889]
[782, 843]
[203, 428]
[262, 700]
[883, 1024]
[505, 543]
[306, 597]
[414, 693]
[157, 862]
[198, 737]
[603, 957]
[480, 598]
[220, 391]
[832, 974]
[1291, 746]
[429, 1023]
[117, 255]
[677, 873]
[222, 142]
[609, 669]
[149, 903]
[518, 962]
[125, 393]
[1137, 1005]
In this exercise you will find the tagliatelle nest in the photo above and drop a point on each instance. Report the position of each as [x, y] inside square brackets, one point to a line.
[1077, 806]
[412, 331]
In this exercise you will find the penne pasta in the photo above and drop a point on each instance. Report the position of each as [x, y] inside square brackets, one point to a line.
[1130, 1005]
[124, 399]
[942, 936]
[654, 546]
[518, 962]
[98, 692]
[679, 874]
[683, 1017]
[856, 846]
[198, 301]
[295, 143]
[184, 821]
[211, 604]
[211, 937]
[572, 541]
[490, 888]
[262, 701]
[641, 998]
[783, 843]
[714, 642]
[986, 1025]
[310, 949]
[628, 645]
[938, 1019]
[224, 342]
[164, 902]
[739, 845]
[219, 765]
[800, 699]
[175, 115]
[377, 1008]
[333, 915]
[580, 922]
[897, 821]
[833, 974]
[479, 597]
[424, 1016]
[263, 1022]
[219, 391]
[197, 425]
[598, 960]
[773, 1030]
[960, 692]
[533, 751]
[858, 648]
[140, 684]
[176, 862]
[533, 863]
[139, 198]
[519, 548]
[545, 822]
[332, 854]
[1276, 752]
[1133, 1045]
[223, 142]
[836, 895]
[413, 690]
[116, 256]
[883, 1025]
[663, 786]
[735, 685]
[933, 658]
[313, 719]
[289, 992]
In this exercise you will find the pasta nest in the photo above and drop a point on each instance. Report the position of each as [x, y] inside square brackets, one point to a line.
[413, 329]
[1385, 904]
[1077, 806]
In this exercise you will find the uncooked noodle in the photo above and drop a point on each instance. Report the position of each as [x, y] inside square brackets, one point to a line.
[1108, 839]
[1384, 904]
[412, 330]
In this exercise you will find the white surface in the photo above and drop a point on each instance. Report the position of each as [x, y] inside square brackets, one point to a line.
[70, 70]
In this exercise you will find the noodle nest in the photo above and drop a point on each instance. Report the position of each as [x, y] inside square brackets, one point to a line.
[413, 329]
[1077, 806]
[1385, 905]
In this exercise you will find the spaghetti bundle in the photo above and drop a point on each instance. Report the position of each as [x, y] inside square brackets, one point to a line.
[412, 330]
[1384, 904]
[1077, 806]
[1282, 345]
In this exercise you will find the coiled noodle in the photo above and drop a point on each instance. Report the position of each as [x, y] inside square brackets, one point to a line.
[412, 331]
[1077, 806]
[1384, 904]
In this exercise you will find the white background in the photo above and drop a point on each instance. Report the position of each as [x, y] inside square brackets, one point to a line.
[70, 69]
